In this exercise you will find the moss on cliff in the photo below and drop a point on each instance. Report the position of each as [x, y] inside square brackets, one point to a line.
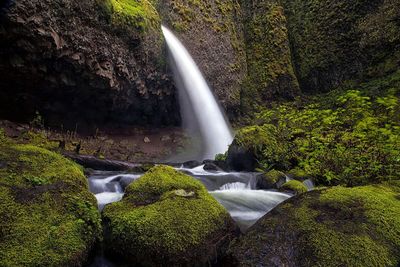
[333, 227]
[131, 13]
[333, 41]
[166, 217]
[270, 70]
[47, 215]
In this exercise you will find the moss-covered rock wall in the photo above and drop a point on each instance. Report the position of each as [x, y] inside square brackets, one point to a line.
[333, 41]
[105, 60]
[270, 71]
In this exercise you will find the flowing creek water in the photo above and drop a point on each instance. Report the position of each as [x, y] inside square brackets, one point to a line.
[236, 191]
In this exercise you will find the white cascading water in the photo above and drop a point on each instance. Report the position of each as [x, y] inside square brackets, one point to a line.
[205, 114]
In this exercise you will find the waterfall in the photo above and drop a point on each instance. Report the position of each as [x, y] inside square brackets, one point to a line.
[200, 110]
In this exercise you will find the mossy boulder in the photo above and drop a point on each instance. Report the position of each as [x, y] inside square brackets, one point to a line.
[271, 180]
[167, 218]
[294, 186]
[332, 227]
[48, 217]
[260, 146]
[298, 174]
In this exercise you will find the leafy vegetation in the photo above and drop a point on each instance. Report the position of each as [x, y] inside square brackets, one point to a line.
[165, 216]
[347, 137]
[47, 215]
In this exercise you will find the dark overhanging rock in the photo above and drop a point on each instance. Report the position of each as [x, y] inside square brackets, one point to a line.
[81, 70]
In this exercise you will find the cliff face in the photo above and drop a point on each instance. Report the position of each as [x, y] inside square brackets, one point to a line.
[83, 61]
[101, 61]
[212, 31]
[334, 41]
[270, 71]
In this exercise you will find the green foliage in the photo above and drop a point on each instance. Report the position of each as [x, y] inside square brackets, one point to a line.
[332, 227]
[139, 14]
[221, 157]
[294, 186]
[267, 144]
[47, 215]
[166, 214]
[298, 174]
[347, 137]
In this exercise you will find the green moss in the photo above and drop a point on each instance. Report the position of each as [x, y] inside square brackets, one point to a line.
[270, 70]
[165, 214]
[273, 176]
[139, 14]
[47, 215]
[266, 144]
[332, 227]
[27, 163]
[361, 40]
[294, 186]
[298, 174]
[360, 221]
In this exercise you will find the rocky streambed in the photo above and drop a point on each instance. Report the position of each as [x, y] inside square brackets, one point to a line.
[237, 192]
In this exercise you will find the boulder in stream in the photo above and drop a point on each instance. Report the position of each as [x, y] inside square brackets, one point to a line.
[167, 218]
[331, 227]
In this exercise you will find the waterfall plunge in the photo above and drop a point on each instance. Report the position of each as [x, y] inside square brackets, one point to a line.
[200, 111]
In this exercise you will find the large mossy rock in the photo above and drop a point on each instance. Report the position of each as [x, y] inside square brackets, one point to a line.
[332, 227]
[259, 146]
[167, 218]
[48, 217]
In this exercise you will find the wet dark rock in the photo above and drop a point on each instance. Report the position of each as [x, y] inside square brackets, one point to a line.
[271, 180]
[240, 159]
[67, 61]
[191, 164]
[211, 165]
[101, 164]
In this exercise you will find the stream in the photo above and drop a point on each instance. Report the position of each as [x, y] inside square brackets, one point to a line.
[236, 191]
